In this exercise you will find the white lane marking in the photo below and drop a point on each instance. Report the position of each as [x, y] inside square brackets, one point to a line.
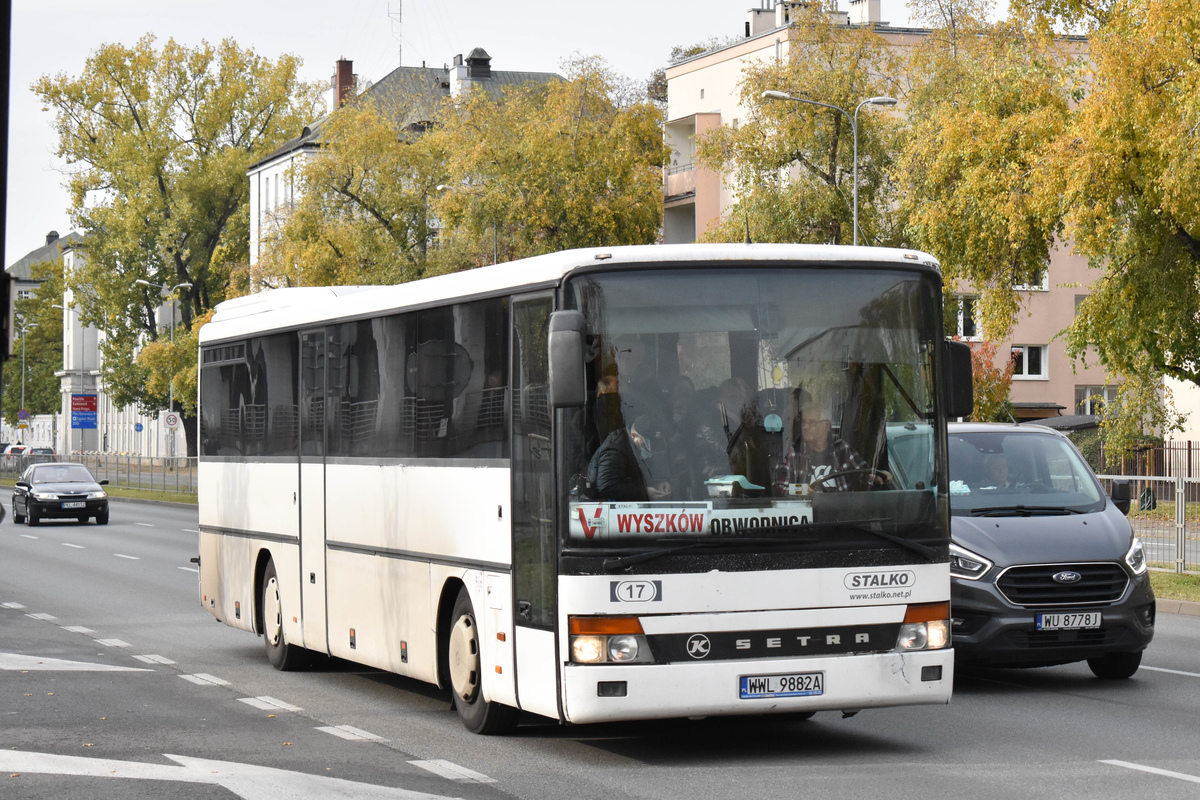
[42, 616]
[76, 546]
[145, 524]
[352, 733]
[113, 643]
[189, 569]
[247, 781]
[448, 769]
[12, 605]
[189, 530]
[154, 659]
[76, 629]
[267, 703]
[204, 679]
[1153, 770]
[15, 661]
[131, 558]
[28, 536]
[1172, 671]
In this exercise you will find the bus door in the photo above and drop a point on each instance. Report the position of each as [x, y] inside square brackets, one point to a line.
[313, 398]
[535, 561]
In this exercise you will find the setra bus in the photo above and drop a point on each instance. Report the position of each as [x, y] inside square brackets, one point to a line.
[603, 484]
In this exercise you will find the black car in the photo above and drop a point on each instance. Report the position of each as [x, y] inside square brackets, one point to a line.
[1045, 568]
[59, 491]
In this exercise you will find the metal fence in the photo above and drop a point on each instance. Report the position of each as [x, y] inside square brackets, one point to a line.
[130, 472]
[1166, 516]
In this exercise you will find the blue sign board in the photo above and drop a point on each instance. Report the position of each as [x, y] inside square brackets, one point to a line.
[139, 427]
[83, 411]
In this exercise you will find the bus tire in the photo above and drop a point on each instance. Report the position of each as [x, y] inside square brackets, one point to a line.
[466, 674]
[283, 656]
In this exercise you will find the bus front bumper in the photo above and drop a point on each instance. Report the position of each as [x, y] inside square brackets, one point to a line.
[603, 693]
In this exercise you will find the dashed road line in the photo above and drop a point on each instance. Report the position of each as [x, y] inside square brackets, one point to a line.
[28, 536]
[189, 569]
[266, 703]
[42, 616]
[11, 605]
[146, 524]
[76, 629]
[204, 679]
[113, 643]
[1153, 770]
[154, 659]
[1172, 671]
[76, 546]
[189, 530]
[352, 734]
[131, 558]
[448, 769]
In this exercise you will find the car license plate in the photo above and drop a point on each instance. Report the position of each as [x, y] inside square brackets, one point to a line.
[1068, 622]
[74, 505]
[792, 684]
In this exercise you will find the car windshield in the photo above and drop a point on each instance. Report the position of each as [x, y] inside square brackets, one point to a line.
[792, 403]
[62, 473]
[1017, 471]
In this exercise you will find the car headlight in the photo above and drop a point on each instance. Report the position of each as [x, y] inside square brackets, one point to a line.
[44, 496]
[926, 627]
[608, 640]
[100, 495]
[967, 565]
[1136, 557]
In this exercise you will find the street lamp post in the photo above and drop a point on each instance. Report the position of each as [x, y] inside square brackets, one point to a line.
[24, 327]
[771, 94]
[79, 350]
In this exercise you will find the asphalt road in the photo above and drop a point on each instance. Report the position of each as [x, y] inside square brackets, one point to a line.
[124, 596]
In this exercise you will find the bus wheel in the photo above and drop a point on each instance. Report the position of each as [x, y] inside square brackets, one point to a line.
[466, 674]
[283, 656]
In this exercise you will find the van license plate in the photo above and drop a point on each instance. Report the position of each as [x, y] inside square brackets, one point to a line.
[1068, 622]
[792, 684]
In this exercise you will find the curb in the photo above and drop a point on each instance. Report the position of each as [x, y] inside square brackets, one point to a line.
[1187, 607]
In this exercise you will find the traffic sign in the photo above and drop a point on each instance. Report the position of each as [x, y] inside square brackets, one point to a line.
[83, 411]
[139, 427]
[172, 419]
[22, 415]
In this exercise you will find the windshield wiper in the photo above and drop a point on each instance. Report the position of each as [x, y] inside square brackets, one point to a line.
[636, 558]
[907, 544]
[1023, 511]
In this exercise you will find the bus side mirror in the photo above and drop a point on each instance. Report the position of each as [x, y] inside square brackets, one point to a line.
[566, 359]
[1121, 495]
[958, 393]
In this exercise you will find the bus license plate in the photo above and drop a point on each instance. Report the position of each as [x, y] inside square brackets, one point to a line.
[74, 505]
[1068, 622]
[792, 684]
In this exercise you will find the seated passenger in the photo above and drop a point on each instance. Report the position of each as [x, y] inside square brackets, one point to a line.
[816, 454]
[633, 465]
[997, 473]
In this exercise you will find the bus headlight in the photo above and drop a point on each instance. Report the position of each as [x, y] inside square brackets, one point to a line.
[608, 640]
[926, 627]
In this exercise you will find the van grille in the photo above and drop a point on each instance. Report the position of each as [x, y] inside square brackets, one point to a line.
[1030, 586]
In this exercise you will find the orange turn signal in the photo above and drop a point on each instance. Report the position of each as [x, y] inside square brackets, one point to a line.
[927, 612]
[604, 626]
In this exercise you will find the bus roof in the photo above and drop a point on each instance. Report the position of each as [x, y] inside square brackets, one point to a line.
[278, 309]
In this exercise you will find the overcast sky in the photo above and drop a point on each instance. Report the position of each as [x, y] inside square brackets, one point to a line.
[53, 36]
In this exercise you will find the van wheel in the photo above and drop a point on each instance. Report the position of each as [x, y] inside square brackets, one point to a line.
[283, 656]
[466, 674]
[1115, 666]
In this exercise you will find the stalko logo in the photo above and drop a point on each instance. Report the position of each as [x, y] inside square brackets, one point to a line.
[596, 525]
[880, 580]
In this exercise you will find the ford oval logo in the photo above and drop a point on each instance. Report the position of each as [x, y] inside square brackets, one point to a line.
[1067, 576]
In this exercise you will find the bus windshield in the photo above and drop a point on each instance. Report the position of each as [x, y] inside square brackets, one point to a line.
[757, 405]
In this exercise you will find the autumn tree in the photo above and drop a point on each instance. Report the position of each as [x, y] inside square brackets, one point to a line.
[547, 167]
[984, 102]
[363, 214]
[992, 383]
[158, 141]
[791, 164]
[38, 339]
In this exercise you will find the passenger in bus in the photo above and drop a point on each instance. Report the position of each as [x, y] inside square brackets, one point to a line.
[817, 453]
[728, 437]
[633, 465]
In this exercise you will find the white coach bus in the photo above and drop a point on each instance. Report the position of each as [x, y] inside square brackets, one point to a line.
[607, 484]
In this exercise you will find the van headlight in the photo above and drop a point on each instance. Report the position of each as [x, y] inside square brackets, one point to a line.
[967, 565]
[1136, 557]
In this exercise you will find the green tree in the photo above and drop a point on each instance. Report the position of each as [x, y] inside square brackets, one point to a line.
[547, 167]
[791, 164]
[364, 209]
[158, 142]
[985, 102]
[42, 345]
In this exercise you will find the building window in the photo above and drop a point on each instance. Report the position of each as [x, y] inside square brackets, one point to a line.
[968, 328]
[24, 294]
[1029, 361]
[701, 94]
[1093, 399]
[1079, 298]
[1041, 283]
